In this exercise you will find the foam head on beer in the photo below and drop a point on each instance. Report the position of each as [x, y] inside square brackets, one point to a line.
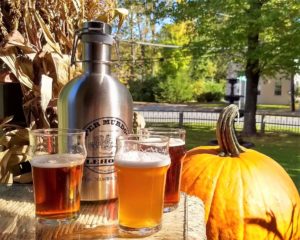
[57, 160]
[174, 142]
[142, 159]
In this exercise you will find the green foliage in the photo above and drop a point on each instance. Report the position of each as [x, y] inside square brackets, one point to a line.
[175, 89]
[143, 90]
[174, 60]
[224, 28]
[207, 91]
[200, 68]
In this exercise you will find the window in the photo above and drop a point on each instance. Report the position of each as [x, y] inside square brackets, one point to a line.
[278, 86]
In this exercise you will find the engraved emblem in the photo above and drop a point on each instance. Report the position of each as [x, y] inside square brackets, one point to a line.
[101, 135]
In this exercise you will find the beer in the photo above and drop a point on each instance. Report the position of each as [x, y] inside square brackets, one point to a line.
[57, 181]
[141, 185]
[172, 192]
[176, 151]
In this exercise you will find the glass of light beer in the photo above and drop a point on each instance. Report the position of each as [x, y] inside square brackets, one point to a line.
[141, 163]
[177, 150]
[57, 165]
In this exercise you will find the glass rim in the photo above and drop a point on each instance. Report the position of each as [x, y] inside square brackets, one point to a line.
[56, 131]
[163, 130]
[141, 138]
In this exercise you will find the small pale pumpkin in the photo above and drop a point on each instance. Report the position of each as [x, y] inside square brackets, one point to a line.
[247, 195]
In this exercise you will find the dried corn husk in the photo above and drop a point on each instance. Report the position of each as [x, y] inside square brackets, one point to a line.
[14, 146]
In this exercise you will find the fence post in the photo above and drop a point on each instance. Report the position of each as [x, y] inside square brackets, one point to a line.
[262, 123]
[180, 119]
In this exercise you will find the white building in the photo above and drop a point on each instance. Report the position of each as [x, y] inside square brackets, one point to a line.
[276, 89]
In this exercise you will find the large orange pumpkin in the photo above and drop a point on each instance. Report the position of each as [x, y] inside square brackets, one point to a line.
[247, 195]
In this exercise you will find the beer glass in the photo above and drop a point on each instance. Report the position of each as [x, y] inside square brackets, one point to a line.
[177, 151]
[57, 165]
[141, 163]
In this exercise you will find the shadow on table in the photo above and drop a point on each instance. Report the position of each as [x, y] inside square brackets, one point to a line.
[16, 192]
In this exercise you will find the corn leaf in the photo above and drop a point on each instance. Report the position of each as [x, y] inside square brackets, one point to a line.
[4, 172]
[9, 159]
[15, 39]
[47, 34]
[63, 70]
[46, 91]
[7, 76]
[77, 5]
[9, 58]
[17, 137]
[10, 61]
[121, 13]
[67, 42]
[6, 120]
[24, 64]
[31, 31]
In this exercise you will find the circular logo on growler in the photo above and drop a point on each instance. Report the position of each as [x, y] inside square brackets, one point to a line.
[101, 135]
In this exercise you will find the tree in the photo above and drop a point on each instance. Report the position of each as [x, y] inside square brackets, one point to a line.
[262, 35]
[175, 89]
[148, 22]
[137, 61]
[199, 69]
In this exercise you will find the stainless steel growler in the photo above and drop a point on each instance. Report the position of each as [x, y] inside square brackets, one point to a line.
[101, 105]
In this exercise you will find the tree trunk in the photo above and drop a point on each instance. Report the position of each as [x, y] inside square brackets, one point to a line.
[252, 75]
[252, 70]
[293, 107]
[132, 52]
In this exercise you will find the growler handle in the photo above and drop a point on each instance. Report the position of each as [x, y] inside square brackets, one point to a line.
[105, 39]
[74, 47]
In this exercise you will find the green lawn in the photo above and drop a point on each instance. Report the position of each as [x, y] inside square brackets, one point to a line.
[265, 107]
[276, 107]
[284, 148]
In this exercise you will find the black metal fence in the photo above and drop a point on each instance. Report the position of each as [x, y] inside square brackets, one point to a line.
[266, 121]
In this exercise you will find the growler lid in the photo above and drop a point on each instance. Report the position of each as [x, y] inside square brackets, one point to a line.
[97, 32]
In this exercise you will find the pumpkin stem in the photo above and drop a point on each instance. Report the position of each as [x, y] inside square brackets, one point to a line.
[227, 140]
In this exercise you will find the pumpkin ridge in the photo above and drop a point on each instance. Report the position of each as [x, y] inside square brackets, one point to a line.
[213, 190]
[232, 227]
[210, 161]
[242, 199]
[202, 169]
[261, 181]
[298, 225]
[252, 175]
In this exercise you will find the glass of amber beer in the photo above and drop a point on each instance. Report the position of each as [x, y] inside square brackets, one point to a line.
[177, 151]
[141, 163]
[57, 165]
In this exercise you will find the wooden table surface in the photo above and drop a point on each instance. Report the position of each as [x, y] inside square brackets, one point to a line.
[96, 220]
